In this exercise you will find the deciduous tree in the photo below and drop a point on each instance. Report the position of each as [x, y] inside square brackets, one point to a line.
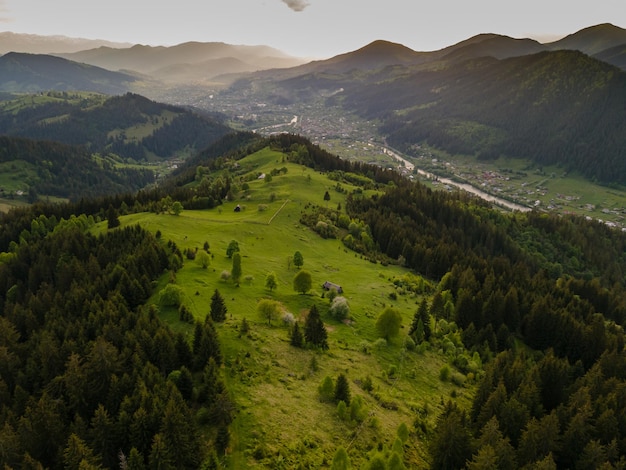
[271, 282]
[298, 259]
[236, 271]
[268, 309]
[388, 323]
[302, 282]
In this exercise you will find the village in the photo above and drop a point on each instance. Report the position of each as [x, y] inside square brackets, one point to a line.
[509, 184]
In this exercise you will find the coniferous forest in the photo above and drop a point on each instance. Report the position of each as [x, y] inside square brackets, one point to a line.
[90, 377]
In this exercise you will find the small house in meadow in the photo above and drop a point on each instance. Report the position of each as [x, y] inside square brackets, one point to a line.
[329, 285]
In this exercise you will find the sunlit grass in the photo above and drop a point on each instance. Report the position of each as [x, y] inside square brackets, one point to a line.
[280, 419]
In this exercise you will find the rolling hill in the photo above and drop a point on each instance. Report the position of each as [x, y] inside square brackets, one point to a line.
[129, 126]
[133, 340]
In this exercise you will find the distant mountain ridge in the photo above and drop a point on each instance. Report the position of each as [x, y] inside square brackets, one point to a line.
[29, 73]
[37, 44]
[206, 60]
[488, 96]
[129, 126]
[591, 41]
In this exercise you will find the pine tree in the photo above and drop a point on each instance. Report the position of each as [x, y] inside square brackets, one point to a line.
[341, 461]
[205, 344]
[77, 454]
[179, 432]
[314, 329]
[112, 217]
[422, 311]
[296, 336]
[135, 460]
[218, 307]
[342, 389]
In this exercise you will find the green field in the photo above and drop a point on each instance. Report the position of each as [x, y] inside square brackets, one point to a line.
[280, 421]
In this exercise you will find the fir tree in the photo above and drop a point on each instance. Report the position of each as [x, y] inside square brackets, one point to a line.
[296, 336]
[342, 389]
[205, 344]
[112, 217]
[314, 329]
[421, 315]
[218, 307]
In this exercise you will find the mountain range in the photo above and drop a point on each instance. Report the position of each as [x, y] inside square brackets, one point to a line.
[489, 96]
[37, 44]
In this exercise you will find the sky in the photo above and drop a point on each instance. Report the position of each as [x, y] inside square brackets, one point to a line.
[306, 28]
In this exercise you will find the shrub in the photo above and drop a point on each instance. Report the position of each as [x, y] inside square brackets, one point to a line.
[288, 318]
[458, 379]
[403, 432]
[339, 308]
[185, 315]
[388, 323]
[171, 295]
[367, 384]
[244, 328]
[357, 410]
[444, 373]
[380, 343]
[326, 389]
[342, 410]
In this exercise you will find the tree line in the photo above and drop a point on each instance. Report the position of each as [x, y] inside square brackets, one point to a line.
[91, 378]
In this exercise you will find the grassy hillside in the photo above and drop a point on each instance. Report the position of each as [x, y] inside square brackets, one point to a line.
[280, 421]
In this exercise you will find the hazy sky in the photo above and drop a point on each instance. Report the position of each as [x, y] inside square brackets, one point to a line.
[306, 28]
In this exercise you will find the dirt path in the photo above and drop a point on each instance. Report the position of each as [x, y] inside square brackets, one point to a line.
[276, 213]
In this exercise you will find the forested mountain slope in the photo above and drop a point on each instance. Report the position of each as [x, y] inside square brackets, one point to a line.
[553, 107]
[129, 125]
[87, 370]
[31, 73]
[53, 169]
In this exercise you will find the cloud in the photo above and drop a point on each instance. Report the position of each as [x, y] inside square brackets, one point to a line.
[296, 5]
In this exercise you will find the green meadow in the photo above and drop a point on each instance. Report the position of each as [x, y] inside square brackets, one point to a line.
[280, 420]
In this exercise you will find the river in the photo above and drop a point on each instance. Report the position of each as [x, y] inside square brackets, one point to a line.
[464, 186]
